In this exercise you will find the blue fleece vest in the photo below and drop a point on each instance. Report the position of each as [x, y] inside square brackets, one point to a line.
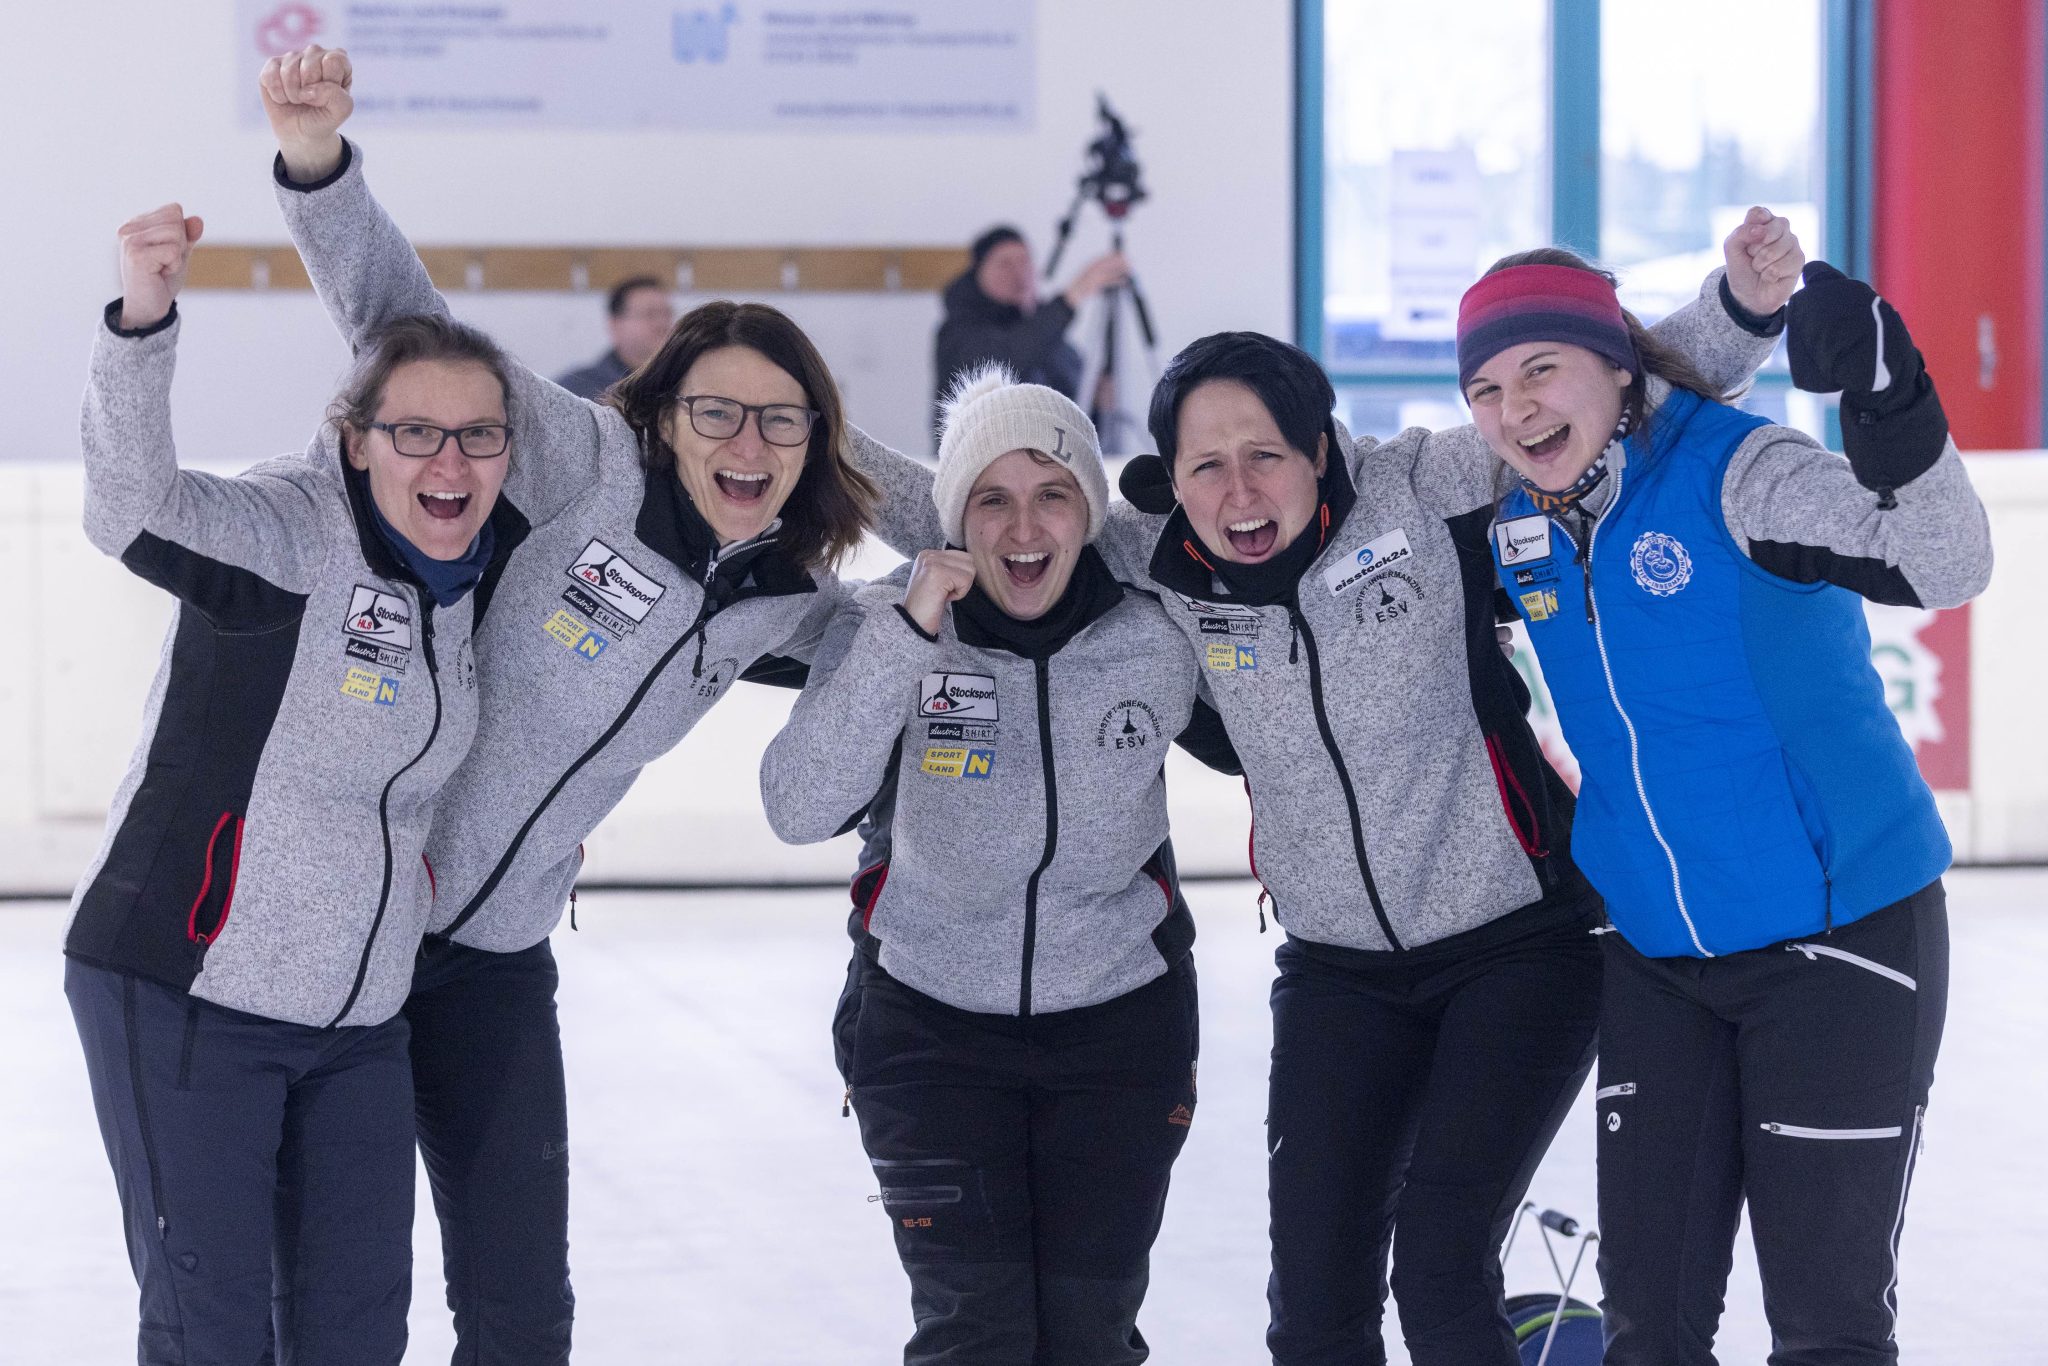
[1743, 780]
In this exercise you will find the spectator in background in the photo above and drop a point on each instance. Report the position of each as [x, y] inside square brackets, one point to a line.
[640, 318]
[993, 313]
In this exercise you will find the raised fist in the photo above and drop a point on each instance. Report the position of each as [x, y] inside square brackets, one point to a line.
[156, 250]
[1764, 257]
[937, 578]
[306, 96]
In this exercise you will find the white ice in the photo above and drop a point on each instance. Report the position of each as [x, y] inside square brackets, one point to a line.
[720, 1207]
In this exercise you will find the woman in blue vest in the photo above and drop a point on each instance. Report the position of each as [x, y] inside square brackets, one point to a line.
[1692, 579]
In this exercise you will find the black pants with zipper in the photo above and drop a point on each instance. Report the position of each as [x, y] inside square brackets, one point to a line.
[492, 1113]
[1793, 1077]
[1412, 1096]
[1023, 1161]
[265, 1171]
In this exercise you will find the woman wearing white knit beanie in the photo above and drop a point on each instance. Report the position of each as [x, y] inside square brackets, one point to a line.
[1018, 1030]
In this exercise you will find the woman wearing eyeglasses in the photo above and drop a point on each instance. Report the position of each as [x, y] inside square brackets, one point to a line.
[677, 536]
[240, 949]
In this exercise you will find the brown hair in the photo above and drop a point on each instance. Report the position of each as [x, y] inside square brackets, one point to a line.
[403, 341]
[832, 503]
[1657, 358]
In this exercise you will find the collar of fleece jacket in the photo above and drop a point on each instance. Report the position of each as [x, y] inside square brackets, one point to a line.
[670, 524]
[1181, 562]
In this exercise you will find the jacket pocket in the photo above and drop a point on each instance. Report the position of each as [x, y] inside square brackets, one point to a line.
[1804, 1131]
[217, 882]
[1527, 828]
[1814, 952]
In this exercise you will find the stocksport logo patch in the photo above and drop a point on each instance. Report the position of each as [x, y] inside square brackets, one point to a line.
[959, 761]
[1521, 539]
[572, 635]
[1660, 563]
[1375, 556]
[1228, 611]
[366, 686]
[378, 629]
[605, 587]
[1388, 599]
[1227, 657]
[958, 697]
[1129, 725]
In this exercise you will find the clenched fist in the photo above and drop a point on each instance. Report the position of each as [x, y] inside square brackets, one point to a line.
[1763, 258]
[306, 96]
[156, 250]
[937, 578]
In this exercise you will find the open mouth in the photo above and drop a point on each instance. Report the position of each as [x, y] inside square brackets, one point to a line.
[1027, 567]
[740, 486]
[444, 507]
[1253, 538]
[1543, 445]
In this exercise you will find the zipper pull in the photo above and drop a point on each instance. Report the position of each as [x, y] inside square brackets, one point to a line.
[572, 908]
[1262, 909]
[697, 669]
[846, 1103]
[1293, 639]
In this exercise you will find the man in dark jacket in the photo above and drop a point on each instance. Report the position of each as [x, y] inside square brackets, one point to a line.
[639, 316]
[993, 313]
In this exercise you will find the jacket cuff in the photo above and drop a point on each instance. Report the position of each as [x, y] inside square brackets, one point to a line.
[911, 622]
[284, 180]
[1757, 325]
[112, 315]
[1891, 448]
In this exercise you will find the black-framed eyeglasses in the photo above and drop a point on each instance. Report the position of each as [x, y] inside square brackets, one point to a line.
[720, 419]
[422, 440]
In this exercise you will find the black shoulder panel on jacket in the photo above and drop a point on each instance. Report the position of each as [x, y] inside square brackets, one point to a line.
[167, 885]
[1872, 578]
[1208, 740]
[232, 598]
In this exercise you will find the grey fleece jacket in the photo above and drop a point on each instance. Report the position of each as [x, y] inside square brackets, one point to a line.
[617, 624]
[1398, 796]
[1015, 856]
[264, 850]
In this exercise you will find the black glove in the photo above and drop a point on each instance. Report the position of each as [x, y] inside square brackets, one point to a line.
[1841, 335]
[1147, 485]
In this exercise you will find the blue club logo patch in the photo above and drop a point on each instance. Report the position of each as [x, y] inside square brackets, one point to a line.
[1660, 563]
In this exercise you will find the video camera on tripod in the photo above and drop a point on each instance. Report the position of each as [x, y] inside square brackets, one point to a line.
[1113, 179]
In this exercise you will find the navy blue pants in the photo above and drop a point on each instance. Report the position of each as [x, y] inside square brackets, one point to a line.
[1023, 1162]
[265, 1172]
[1794, 1077]
[1412, 1096]
[494, 1134]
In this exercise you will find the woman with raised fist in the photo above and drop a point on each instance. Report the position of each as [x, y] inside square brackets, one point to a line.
[1693, 579]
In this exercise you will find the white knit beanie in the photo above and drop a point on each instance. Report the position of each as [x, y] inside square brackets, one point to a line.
[987, 416]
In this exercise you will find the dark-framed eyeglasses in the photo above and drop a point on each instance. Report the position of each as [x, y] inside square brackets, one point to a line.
[422, 440]
[720, 419]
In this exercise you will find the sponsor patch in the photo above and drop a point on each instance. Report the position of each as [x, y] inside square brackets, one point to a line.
[1660, 563]
[379, 628]
[1540, 605]
[1234, 610]
[958, 697]
[1380, 553]
[1522, 539]
[573, 635]
[959, 730]
[1227, 626]
[959, 761]
[1545, 572]
[1228, 657]
[366, 686]
[1389, 598]
[610, 583]
[1129, 725]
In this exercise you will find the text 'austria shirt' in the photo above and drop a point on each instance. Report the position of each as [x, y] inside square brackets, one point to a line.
[1398, 794]
[1016, 858]
[618, 624]
[264, 851]
[1744, 781]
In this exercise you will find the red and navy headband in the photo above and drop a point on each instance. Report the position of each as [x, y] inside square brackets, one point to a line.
[1540, 303]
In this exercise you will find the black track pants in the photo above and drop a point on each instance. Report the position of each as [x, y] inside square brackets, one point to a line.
[1023, 1162]
[265, 1171]
[494, 1135]
[1794, 1077]
[1412, 1097]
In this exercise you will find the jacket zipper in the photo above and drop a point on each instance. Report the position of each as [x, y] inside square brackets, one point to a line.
[1042, 669]
[426, 607]
[1315, 693]
[1635, 754]
[490, 884]
[1801, 1131]
[156, 1185]
[1880, 969]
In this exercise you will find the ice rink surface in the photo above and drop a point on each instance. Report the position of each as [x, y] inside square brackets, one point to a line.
[721, 1211]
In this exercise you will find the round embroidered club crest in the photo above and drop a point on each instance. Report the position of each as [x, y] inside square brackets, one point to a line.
[1660, 563]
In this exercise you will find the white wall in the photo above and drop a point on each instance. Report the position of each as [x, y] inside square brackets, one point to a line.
[115, 107]
[87, 636]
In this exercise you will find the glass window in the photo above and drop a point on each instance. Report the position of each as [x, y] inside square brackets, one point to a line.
[1435, 162]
